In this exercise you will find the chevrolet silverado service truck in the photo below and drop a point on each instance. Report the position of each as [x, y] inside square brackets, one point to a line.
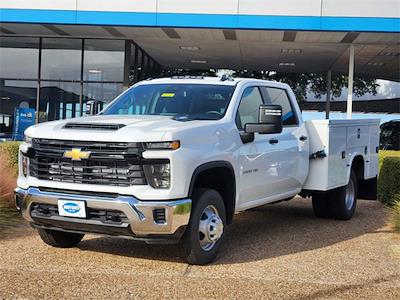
[172, 160]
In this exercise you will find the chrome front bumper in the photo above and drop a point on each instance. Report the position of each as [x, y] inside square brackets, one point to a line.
[139, 213]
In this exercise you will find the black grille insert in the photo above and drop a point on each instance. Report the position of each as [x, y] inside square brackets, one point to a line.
[159, 215]
[109, 163]
[105, 216]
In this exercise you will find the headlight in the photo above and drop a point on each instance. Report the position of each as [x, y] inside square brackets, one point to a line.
[25, 165]
[173, 145]
[158, 175]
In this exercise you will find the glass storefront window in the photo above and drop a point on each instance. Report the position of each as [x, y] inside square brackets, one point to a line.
[104, 60]
[61, 69]
[13, 94]
[104, 93]
[61, 59]
[59, 100]
[19, 57]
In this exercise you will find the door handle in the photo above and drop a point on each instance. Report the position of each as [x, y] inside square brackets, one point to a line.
[273, 141]
[303, 138]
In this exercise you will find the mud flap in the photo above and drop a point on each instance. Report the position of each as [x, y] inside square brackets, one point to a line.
[367, 189]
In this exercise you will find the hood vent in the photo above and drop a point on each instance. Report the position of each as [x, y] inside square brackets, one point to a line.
[94, 126]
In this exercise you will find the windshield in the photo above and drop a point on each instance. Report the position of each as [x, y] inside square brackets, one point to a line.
[183, 101]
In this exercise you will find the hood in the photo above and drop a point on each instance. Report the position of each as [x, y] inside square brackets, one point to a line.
[124, 128]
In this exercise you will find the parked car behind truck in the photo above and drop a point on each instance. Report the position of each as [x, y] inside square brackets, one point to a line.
[172, 160]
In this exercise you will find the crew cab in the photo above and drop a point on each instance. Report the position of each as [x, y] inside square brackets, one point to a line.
[172, 160]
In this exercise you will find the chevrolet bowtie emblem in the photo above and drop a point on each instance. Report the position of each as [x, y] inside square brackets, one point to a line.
[76, 154]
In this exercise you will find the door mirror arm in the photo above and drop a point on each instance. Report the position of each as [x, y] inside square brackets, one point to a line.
[92, 107]
[247, 137]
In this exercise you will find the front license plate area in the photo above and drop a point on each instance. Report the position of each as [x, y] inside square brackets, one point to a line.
[72, 208]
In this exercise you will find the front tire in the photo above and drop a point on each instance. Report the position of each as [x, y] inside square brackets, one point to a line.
[60, 239]
[203, 237]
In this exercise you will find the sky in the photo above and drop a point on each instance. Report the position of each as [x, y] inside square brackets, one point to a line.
[386, 90]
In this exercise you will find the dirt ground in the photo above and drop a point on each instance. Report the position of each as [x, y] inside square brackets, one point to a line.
[276, 251]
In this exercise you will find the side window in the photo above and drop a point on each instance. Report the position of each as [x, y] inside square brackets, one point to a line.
[248, 107]
[279, 97]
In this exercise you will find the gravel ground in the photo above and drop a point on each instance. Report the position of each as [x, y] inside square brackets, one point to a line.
[276, 251]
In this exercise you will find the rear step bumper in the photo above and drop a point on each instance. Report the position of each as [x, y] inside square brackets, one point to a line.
[141, 219]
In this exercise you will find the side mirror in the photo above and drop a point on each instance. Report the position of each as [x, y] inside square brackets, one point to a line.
[92, 107]
[269, 120]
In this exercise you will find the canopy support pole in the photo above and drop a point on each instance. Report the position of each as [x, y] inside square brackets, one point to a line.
[350, 84]
[328, 94]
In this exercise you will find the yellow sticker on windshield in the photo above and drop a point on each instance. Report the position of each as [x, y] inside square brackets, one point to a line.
[168, 95]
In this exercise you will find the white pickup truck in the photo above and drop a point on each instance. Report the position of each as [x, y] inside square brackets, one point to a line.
[173, 160]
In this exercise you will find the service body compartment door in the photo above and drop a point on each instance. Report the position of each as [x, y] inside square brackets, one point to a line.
[336, 156]
[342, 140]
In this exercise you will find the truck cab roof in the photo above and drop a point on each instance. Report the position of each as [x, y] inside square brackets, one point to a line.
[209, 80]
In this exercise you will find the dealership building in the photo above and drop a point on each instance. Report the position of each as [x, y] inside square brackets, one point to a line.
[55, 56]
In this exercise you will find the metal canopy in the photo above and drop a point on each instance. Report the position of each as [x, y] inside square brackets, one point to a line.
[375, 54]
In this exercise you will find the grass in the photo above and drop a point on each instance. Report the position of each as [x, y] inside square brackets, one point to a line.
[386, 153]
[396, 214]
[9, 153]
[389, 187]
[8, 170]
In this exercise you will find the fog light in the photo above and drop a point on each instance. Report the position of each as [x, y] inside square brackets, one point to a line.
[158, 175]
[25, 165]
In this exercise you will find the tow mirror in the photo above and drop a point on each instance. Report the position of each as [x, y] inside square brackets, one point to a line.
[269, 121]
[93, 107]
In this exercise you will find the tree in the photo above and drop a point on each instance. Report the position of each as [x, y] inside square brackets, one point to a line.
[301, 83]
[361, 85]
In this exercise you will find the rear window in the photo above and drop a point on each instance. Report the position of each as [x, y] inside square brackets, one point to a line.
[279, 97]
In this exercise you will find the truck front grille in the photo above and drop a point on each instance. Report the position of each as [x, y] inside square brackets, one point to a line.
[109, 163]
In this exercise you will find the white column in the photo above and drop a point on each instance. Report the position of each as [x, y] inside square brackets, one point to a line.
[350, 85]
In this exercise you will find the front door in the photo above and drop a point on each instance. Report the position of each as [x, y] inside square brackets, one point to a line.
[269, 166]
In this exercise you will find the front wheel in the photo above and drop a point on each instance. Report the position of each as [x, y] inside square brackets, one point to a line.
[203, 237]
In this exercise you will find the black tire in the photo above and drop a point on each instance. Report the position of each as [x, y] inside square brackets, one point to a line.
[60, 239]
[190, 244]
[337, 200]
[321, 207]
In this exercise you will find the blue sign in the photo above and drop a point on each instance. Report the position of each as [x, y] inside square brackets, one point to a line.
[71, 207]
[23, 118]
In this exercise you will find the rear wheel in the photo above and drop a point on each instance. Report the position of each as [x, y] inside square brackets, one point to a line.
[343, 201]
[201, 242]
[60, 239]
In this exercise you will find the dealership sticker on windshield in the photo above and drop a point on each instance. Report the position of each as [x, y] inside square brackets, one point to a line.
[168, 95]
[68, 208]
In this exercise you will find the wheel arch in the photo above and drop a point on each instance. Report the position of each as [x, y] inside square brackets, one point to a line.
[218, 175]
[358, 165]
